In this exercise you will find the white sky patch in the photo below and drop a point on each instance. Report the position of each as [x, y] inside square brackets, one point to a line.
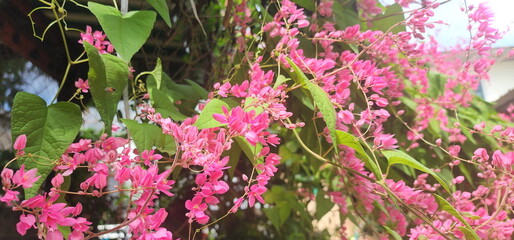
[455, 31]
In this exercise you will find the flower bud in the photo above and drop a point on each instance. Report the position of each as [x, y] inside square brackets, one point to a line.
[20, 143]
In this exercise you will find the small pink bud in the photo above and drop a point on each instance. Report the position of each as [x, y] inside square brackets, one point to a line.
[458, 180]
[57, 180]
[496, 128]
[479, 127]
[245, 178]
[77, 209]
[456, 124]
[351, 106]
[115, 127]
[20, 143]
[401, 112]
[7, 174]
[438, 142]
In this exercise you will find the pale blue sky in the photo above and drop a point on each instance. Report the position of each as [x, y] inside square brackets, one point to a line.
[456, 30]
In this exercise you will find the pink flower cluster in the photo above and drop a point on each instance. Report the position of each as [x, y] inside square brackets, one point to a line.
[97, 39]
[106, 158]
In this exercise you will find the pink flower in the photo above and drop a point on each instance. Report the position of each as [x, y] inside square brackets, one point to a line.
[20, 143]
[385, 141]
[458, 180]
[479, 127]
[81, 224]
[54, 235]
[83, 85]
[196, 204]
[346, 116]
[149, 156]
[454, 150]
[325, 8]
[502, 160]
[256, 191]
[237, 204]
[96, 39]
[26, 222]
[10, 196]
[25, 179]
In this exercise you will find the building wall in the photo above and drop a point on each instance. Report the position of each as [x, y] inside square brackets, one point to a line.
[501, 80]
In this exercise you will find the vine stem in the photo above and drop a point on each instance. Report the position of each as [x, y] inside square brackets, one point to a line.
[126, 105]
[126, 222]
[317, 156]
[380, 183]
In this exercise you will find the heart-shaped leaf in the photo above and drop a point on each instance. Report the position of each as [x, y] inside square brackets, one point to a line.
[157, 73]
[146, 136]
[323, 204]
[127, 33]
[163, 105]
[205, 120]
[50, 130]
[162, 8]
[107, 78]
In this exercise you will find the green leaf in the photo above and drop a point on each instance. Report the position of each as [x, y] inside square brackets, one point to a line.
[50, 130]
[351, 141]
[249, 101]
[280, 80]
[234, 154]
[307, 4]
[399, 157]
[157, 73]
[198, 89]
[393, 15]
[163, 105]
[146, 136]
[301, 94]
[470, 234]
[323, 204]
[107, 78]
[278, 214]
[127, 33]
[393, 233]
[65, 230]
[249, 150]
[162, 8]
[205, 120]
[345, 17]
[321, 99]
[447, 207]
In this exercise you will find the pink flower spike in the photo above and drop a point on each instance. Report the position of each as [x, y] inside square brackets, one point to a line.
[20, 143]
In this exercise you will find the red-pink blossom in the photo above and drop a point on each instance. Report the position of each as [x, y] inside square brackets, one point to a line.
[25, 179]
[26, 222]
[82, 85]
